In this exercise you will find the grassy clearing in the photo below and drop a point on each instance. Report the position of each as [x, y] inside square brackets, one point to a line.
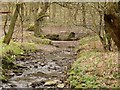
[94, 67]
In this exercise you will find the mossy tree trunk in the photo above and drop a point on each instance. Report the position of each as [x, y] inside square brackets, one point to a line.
[39, 19]
[8, 36]
[112, 22]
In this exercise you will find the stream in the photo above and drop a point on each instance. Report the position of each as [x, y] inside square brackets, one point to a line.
[44, 68]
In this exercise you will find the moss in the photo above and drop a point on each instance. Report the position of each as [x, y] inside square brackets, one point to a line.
[31, 27]
[12, 48]
[8, 62]
[8, 53]
[28, 47]
[71, 36]
[42, 41]
[3, 78]
[16, 48]
[46, 41]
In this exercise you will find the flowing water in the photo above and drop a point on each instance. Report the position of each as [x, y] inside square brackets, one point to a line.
[44, 69]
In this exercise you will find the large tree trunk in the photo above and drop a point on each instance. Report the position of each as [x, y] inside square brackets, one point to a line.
[112, 22]
[8, 36]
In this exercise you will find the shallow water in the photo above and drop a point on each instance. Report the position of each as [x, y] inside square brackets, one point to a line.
[43, 66]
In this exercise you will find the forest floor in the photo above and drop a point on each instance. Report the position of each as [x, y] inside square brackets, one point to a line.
[59, 64]
[95, 67]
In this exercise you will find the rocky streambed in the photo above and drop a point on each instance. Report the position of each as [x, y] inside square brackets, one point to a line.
[44, 68]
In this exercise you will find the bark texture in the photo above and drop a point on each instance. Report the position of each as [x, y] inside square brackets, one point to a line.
[112, 22]
[8, 36]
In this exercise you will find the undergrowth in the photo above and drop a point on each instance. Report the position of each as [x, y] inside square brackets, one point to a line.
[8, 54]
[94, 68]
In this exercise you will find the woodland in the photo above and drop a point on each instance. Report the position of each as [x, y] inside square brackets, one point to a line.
[60, 45]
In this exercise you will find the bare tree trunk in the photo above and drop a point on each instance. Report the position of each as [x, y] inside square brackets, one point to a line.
[76, 13]
[22, 19]
[39, 19]
[53, 12]
[4, 28]
[8, 36]
[83, 14]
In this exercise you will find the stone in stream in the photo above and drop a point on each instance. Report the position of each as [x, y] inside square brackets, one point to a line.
[11, 74]
[42, 64]
[12, 84]
[51, 83]
[6, 86]
[37, 82]
[18, 74]
[21, 66]
[35, 66]
[61, 85]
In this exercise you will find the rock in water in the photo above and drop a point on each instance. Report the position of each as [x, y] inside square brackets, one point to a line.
[51, 83]
[60, 85]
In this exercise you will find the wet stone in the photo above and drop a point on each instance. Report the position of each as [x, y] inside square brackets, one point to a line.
[18, 74]
[36, 66]
[42, 64]
[11, 74]
[51, 83]
[60, 85]
[37, 82]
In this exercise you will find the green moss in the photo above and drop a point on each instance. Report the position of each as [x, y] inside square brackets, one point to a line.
[42, 41]
[9, 52]
[28, 47]
[31, 27]
[46, 41]
[16, 48]
[3, 78]
[12, 48]
[8, 62]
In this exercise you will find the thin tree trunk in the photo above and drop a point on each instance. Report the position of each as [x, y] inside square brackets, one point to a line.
[8, 36]
[53, 12]
[4, 28]
[76, 13]
[83, 14]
